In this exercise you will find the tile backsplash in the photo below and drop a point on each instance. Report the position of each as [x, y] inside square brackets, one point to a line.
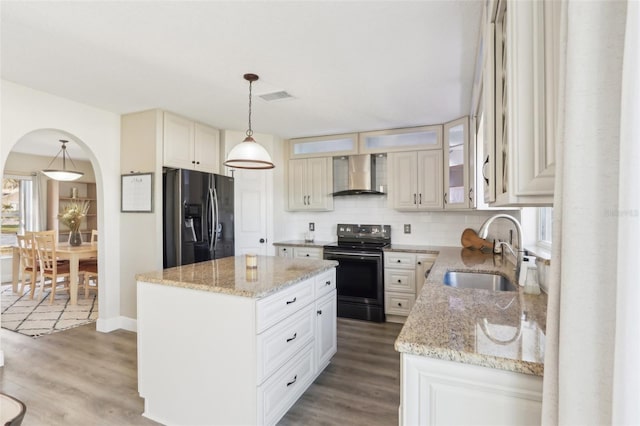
[427, 228]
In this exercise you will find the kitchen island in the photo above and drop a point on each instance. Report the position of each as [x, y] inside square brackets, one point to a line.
[471, 356]
[223, 344]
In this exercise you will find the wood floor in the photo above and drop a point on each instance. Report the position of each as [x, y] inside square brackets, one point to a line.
[82, 377]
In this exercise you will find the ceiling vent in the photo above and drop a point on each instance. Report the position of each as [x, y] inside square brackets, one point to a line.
[276, 96]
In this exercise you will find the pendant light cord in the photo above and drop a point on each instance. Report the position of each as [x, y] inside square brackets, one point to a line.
[249, 131]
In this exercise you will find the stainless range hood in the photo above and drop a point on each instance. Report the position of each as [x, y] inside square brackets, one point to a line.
[360, 177]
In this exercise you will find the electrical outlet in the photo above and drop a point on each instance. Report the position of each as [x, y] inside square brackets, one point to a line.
[312, 226]
[407, 228]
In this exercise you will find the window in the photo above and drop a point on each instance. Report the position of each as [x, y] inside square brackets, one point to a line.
[545, 226]
[17, 207]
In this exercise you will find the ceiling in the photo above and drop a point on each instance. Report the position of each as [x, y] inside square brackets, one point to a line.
[350, 66]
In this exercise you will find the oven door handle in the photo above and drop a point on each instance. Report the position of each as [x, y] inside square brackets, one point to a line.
[347, 254]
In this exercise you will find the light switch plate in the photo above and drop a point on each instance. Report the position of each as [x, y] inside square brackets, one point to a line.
[312, 226]
[407, 228]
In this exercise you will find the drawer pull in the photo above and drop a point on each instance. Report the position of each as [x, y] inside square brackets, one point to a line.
[399, 261]
[399, 304]
[293, 381]
[327, 283]
[400, 281]
[319, 312]
[307, 254]
[292, 301]
[292, 338]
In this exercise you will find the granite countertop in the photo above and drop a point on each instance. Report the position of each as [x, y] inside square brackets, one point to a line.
[503, 330]
[302, 243]
[231, 276]
[413, 248]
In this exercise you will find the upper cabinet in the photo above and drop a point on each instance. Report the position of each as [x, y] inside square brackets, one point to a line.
[310, 184]
[521, 94]
[415, 180]
[409, 139]
[190, 145]
[458, 165]
[324, 146]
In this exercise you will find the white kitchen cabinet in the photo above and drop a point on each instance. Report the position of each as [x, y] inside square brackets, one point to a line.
[190, 145]
[252, 370]
[310, 184]
[300, 252]
[458, 165]
[323, 146]
[395, 140]
[438, 392]
[326, 323]
[416, 180]
[521, 94]
[403, 279]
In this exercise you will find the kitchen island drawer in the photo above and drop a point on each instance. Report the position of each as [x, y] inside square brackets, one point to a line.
[283, 340]
[325, 283]
[284, 388]
[281, 305]
[307, 252]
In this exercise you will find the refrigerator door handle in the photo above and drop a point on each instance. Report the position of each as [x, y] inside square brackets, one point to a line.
[212, 221]
[216, 228]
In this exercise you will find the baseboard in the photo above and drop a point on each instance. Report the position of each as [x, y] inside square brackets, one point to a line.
[107, 325]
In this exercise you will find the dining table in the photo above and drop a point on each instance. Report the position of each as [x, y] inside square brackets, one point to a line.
[64, 251]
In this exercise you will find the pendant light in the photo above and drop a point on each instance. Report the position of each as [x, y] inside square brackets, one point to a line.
[63, 174]
[249, 154]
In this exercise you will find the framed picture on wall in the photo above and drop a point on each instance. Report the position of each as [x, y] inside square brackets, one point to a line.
[137, 193]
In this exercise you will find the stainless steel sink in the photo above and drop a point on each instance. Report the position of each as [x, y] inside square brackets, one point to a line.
[478, 280]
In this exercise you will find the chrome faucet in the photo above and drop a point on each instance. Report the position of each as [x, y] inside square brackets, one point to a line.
[484, 231]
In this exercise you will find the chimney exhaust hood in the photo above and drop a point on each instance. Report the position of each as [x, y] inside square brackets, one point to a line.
[360, 177]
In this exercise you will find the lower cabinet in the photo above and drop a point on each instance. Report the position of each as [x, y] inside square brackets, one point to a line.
[303, 252]
[219, 359]
[404, 275]
[438, 392]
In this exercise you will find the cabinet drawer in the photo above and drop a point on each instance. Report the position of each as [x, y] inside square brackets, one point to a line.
[281, 305]
[325, 283]
[280, 342]
[399, 260]
[285, 251]
[282, 390]
[307, 252]
[398, 303]
[402, 280]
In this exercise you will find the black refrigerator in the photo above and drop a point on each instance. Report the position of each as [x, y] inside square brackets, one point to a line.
[197, 215]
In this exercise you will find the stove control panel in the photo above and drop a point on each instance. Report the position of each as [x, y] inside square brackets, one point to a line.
[368, 232]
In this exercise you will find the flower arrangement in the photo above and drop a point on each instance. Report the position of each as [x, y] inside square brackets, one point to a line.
[73, 214]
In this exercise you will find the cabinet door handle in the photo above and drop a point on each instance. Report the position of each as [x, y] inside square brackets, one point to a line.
[193, 162]
[292, 338]
[420, 198]
[471, 194]
[419, 263]
[319, 312]
[327, 283]
[292, 301]
[309, 199]
[293, 381]
[445, 198]
[414, 199]
[486, 180]
[197, 162]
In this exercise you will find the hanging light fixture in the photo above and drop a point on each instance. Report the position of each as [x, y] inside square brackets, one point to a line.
[249, 154]
[63, 174]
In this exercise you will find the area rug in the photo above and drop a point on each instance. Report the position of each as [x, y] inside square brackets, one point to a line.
[37, 317]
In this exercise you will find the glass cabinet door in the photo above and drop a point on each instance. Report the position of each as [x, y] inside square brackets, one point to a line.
[456, 162]
[408, 139]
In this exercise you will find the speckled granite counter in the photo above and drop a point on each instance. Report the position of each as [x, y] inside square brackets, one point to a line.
[503, 330]
[302, 243]
[231, 276]
[414, 249]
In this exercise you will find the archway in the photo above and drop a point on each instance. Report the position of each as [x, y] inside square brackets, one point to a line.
[33, 152]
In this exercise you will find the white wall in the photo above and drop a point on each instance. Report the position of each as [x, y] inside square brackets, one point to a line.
[427, 228]
[98, 132]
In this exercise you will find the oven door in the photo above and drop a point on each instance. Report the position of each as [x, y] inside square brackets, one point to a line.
[359, 278]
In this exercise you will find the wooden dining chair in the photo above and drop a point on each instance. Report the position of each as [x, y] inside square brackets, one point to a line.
[29, 267]
[50, 267]
[89, 269]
